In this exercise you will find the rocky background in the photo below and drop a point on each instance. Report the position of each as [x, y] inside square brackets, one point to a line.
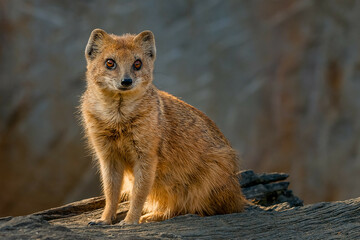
[280, 78]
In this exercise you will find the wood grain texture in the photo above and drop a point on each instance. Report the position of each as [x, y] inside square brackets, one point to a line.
[332, 220]
[326, 220]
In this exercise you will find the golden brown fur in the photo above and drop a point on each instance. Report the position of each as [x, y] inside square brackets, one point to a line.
[162, 150]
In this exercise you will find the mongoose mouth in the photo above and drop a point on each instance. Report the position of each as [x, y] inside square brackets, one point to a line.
[125, 88]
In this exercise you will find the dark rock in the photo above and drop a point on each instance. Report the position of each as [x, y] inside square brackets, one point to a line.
[260, 191]
[248, 178]
[266, 190]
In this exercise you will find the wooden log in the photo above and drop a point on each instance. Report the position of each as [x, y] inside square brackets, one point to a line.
[332, 220]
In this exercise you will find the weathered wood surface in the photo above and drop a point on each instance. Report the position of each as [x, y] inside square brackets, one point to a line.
[333, 220]
[337, 220]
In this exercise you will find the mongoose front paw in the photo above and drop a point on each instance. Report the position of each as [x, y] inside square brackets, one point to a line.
[124, 222]
[99, 222]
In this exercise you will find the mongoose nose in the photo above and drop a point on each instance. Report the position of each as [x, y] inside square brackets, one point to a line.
[126, 82]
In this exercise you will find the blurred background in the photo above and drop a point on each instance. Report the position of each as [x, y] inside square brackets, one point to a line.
[281, 78]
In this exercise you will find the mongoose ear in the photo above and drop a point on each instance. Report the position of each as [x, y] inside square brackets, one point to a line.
[146, 40]
[95, 42]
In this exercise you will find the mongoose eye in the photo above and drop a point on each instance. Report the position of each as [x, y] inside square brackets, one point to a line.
[110, 64]
[137, 65]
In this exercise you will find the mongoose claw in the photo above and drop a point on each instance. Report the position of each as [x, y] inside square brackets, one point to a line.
[92, 223]
[97, 223]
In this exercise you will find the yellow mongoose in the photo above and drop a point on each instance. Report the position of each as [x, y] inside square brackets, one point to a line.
[170, 156]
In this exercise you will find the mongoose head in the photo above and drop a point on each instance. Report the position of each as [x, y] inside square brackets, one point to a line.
[120, 64]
